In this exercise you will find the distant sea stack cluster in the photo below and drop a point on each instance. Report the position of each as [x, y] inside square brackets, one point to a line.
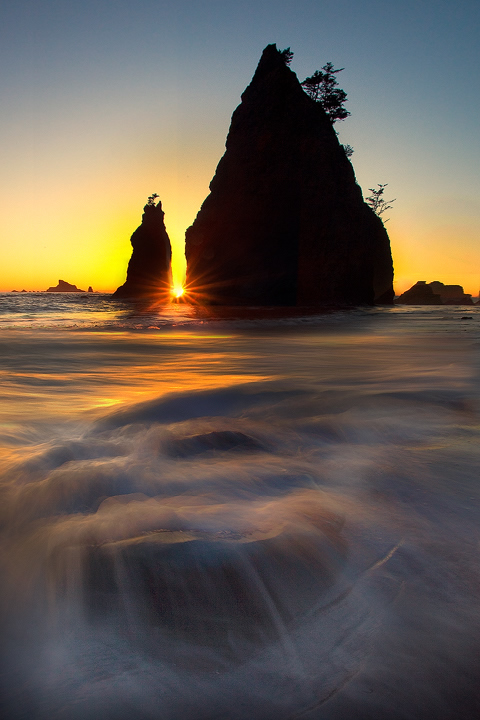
[434, 293]
[285, 223]
[149, 270]
[67, 287]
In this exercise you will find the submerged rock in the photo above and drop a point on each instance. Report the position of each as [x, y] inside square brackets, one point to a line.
[233, 592]
[64, 287]
[149, 269]
[213, 442]
[285, 222]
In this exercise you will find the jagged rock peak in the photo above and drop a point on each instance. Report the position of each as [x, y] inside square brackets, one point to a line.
[149, 269]
[285, 222]
[271, 61]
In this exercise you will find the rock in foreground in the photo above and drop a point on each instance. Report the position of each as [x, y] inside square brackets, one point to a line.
[285, 222]
[232, 592]
[149, 269]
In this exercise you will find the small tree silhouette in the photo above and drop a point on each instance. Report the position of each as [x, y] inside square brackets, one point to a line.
[348, 150]
[287, 56]
[152, 198]
[322, 87]
[377, 202]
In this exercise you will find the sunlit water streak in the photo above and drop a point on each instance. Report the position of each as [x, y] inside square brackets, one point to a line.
[239, 517]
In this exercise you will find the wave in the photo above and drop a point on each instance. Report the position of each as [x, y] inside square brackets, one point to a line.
[300, 547]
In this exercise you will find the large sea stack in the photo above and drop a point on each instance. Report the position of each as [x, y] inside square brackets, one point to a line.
[149, 269]
[285, 222]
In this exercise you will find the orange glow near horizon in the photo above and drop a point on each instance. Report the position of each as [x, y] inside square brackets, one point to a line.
[49, 239]
[452, 263]
[77, 226]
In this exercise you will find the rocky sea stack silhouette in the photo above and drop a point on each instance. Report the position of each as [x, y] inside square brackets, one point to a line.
[434, 293]
[285, 222]
[64, 287]
[149, 270]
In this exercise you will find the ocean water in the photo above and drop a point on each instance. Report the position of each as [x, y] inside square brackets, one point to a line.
[238, 514]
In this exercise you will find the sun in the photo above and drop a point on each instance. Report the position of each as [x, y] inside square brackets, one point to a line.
[178, 291]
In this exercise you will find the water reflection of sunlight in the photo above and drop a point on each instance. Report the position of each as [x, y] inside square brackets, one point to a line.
[47, 377]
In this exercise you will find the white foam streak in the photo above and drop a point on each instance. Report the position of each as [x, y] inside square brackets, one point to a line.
[302, 547]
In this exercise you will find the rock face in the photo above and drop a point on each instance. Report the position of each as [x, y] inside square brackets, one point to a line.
[64, 287]
[435, 293]
[285, 222]
[149, 269]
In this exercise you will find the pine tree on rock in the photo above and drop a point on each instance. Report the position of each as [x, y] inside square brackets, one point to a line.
[322, 87]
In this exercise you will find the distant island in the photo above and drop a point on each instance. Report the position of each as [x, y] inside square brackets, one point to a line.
[434, 293]
[67, 287]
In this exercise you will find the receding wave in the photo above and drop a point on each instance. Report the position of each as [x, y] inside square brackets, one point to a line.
[269, 549]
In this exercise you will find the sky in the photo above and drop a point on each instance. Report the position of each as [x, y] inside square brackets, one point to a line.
[105, 102]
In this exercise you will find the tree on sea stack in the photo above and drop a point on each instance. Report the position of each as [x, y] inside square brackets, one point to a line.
[285, 223]
[152, 198]
[287, 56]
[377, 202]
[322, 87]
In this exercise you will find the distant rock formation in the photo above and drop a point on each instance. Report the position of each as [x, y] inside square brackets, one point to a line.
[434, 293]
[149, 269]
[451, 294]
[285, 222]
[64, 287]
[420, 294]
[90, 289]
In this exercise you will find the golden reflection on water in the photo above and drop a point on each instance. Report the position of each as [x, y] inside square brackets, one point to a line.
[103, 369]
[58, 374]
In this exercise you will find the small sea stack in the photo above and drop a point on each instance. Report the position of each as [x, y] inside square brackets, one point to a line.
[149, 270]
[451, 294]
[285, 223]
[434, 293]
[64, 287]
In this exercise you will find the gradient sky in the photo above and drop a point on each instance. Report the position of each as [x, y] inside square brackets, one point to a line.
[107, 101]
